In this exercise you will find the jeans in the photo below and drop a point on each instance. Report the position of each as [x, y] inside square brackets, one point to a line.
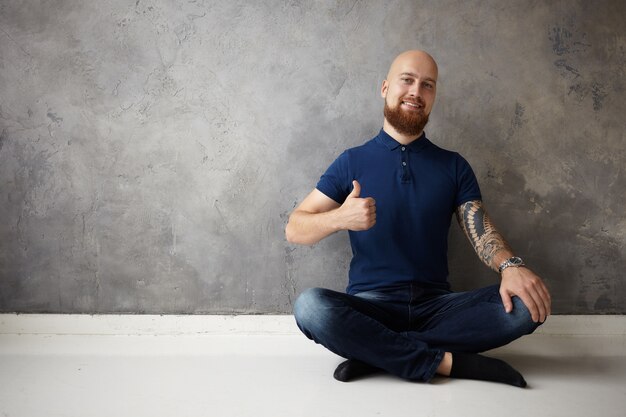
[406, 330]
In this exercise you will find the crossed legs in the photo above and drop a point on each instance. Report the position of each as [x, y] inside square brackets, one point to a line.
[412, 333]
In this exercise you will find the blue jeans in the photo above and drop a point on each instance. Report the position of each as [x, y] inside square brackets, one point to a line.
[406, 330]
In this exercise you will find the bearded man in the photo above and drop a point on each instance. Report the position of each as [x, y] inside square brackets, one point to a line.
[396, 195]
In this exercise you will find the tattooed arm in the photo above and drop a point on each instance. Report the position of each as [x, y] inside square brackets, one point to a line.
[488, 243]
[492, 249]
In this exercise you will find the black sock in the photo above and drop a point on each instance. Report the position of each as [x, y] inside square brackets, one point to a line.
[474, 366]
[353, 369]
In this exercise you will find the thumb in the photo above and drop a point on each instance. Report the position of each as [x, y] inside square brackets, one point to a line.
[506, 300]
[356, 190]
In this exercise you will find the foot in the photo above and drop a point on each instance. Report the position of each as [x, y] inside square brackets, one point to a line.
[352, 369]
[474, 366]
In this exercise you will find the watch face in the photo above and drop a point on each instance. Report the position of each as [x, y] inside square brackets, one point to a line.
[516, 260]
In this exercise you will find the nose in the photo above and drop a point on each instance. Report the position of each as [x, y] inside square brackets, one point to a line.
[415, 90]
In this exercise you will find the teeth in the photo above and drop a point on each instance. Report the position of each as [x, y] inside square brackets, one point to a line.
[410, 104]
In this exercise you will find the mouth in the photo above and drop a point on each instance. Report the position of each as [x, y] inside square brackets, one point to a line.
[412, 105]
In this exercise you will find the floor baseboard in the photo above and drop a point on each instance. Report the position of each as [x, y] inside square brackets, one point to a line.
[562, 335]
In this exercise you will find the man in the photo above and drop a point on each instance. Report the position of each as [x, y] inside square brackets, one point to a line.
[396, 195]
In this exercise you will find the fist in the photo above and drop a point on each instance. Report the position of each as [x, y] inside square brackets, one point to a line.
[357, 213]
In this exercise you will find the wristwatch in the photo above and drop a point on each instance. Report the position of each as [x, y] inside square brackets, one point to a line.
[515, 261]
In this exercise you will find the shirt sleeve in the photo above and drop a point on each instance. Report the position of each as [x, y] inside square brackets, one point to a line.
[336, 182]
[467, 185]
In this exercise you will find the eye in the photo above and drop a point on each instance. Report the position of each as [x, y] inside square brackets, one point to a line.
[406, 80]
[429, 86]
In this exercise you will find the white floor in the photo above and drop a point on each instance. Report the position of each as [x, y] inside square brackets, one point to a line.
[260, 366]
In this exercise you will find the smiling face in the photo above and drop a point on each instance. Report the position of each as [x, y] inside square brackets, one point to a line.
[409, 93]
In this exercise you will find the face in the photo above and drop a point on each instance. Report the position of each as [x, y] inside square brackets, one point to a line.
[409, 92]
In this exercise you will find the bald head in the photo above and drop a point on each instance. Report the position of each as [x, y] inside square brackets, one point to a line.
[413, 58]
[409, 92]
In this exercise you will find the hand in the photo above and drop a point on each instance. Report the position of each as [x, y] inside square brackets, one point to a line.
[529, 288]
[357, 213]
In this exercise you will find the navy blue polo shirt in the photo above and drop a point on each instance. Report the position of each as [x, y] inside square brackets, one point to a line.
[417, 188]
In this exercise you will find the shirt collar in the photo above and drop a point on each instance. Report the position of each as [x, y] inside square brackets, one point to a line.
[391, 144]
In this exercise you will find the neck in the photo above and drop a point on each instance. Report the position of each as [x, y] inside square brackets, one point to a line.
[399, 137]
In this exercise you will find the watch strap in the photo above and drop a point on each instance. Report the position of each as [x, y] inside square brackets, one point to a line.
[514, 261]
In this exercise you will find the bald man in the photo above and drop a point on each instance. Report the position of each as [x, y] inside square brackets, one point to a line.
[396, 195]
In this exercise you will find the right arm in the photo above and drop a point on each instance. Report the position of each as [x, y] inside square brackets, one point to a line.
[319, 216]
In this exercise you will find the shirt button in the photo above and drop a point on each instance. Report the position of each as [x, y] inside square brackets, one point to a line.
[403, 149]
[403, 164]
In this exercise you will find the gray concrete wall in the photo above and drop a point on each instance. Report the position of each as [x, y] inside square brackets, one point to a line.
[150, 151]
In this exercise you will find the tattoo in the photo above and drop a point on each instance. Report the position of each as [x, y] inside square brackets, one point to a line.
[484, 237]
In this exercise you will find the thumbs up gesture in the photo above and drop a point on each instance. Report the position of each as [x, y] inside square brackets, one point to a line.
[357, 213]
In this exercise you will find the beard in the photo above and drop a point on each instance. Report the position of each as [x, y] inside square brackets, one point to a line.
[409, 123]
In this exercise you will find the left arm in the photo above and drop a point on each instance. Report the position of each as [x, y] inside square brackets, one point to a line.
[492, 249]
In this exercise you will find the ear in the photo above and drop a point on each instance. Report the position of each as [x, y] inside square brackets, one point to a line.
[384, 88]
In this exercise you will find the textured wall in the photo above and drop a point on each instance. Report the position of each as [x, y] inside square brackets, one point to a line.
[150, 151]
